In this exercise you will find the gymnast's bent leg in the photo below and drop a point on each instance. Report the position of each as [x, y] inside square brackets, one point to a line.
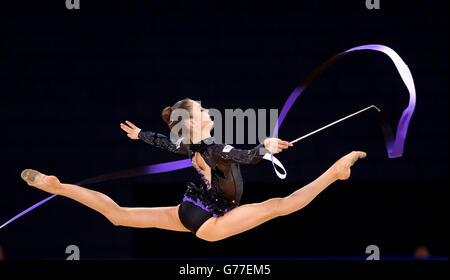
[248, 216]
[157, 217]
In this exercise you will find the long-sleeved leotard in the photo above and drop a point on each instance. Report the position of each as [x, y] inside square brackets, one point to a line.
[163, 142]
[224, 161]
[220, 194]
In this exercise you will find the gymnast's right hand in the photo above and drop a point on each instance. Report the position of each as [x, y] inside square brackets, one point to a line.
[131, 130]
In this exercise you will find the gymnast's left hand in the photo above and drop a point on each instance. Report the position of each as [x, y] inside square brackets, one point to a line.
[275, 145]
[131, 130]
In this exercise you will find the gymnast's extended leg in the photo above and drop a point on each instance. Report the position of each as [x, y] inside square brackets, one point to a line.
[248, 216]
[158, 217]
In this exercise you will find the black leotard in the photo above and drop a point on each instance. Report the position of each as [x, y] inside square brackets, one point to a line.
[223, 193]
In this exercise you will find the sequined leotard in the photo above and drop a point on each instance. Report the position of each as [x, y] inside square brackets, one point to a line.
[221, 187]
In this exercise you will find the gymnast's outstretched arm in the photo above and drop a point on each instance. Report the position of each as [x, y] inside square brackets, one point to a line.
[228, 154]
[155, 139]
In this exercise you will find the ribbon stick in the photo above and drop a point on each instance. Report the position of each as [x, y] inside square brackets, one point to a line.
[333, 123]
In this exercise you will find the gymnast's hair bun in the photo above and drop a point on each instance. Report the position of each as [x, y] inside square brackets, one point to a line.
[165, 114]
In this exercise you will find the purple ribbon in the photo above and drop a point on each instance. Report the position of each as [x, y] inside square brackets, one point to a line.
[27, 210]
[394, 146]
[149, 169]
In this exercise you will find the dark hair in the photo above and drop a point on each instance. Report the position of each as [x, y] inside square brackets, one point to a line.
[185, 103]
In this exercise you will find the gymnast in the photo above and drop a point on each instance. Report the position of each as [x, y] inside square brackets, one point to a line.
[211, 209]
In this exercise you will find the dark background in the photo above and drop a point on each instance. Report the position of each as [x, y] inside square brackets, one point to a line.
[68, 78]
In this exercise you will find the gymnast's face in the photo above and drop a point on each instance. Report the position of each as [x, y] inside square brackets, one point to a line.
[201, 118]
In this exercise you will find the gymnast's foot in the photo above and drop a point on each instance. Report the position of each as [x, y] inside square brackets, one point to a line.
[41, 181]
[342, 166]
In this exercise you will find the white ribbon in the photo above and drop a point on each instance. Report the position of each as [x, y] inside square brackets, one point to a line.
[277, 163]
